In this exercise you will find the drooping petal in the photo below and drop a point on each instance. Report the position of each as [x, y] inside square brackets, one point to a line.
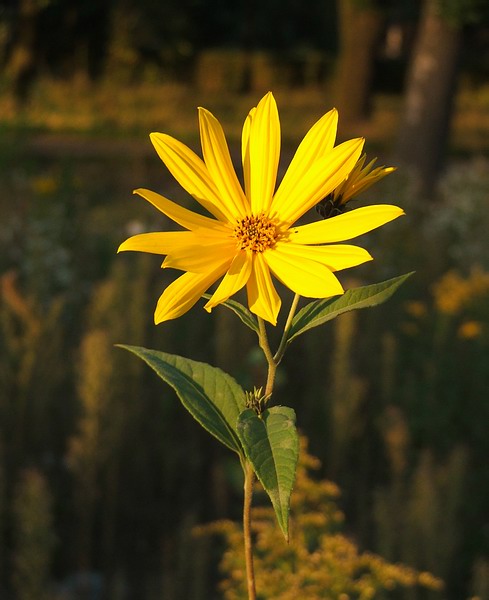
[303, 276]
[245, 151]
[160, 242]
[191, 173]
[346, 226]
[333, 256]
[183, 293]
[264, 146]
[218, 161]
[236, 278]
[319, 181]
[318, 141]
[184, 217]
[263, 299]
[197, 257]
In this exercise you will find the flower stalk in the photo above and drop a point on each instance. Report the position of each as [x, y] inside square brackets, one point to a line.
[247, 239]
[283, 342]
[248, 544]
[273, 361]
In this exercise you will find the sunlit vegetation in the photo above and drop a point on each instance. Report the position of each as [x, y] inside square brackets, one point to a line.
[103, 478]
[320, 561]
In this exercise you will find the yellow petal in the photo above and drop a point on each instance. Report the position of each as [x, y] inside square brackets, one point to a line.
[245, 151]
[304, 277]
[345, 226]
[177, 213]
[191, 173]
[264, 153]
[235, 279]
[318, 141]
[197, 257]
[183, 293]
[320, 180]
[218, 161]
[158, 242]
[263, 299]
[335, 257]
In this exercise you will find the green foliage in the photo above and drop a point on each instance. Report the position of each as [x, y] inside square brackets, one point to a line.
[244, 314]
[218, 403]
[320, 311]
[414, 384]
[271, 444]
[320, 562]
[211, 396]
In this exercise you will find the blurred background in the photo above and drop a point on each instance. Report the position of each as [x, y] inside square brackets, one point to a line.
[103, 476]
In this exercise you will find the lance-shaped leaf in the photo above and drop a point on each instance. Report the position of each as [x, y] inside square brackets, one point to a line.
[241, 311]
[210, 395]
[271, 444]
[318, 312]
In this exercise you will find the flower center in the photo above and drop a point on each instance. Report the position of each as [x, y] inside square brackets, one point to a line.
[255, 233]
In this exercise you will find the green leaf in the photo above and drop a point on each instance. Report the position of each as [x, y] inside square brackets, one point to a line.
[243, 313]
[318, 312]
[210, 395]
[271, 444]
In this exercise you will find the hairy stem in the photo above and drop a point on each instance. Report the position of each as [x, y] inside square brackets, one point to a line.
[248, 494]
[283, 342]
[272, 365]
[273, 362]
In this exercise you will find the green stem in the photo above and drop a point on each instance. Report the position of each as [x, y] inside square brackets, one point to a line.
[273, 362]
[272, 365]
[283, 342]
[263, 340]
[248, 495]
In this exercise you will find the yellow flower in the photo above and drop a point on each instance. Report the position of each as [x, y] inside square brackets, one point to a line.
[451, 293]
[416, 309]
[252, 234]
[470, 329]
[45, 185]
[359, 180]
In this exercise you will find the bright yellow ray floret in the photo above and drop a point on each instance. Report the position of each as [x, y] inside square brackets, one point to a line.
[251, 234]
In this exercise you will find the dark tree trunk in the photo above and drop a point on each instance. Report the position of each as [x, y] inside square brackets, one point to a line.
[359, 30]
[429, 96]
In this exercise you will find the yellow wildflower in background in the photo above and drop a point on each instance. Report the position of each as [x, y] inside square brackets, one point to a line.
[358, 181]
[416, 309]
[453, 292]
[320, 561]
[252, 234]
[469, 330]
[45, 185]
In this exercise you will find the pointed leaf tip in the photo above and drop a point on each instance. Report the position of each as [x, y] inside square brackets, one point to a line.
[320, 311]
[209, 394]
[271, 444]
[245, 315]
